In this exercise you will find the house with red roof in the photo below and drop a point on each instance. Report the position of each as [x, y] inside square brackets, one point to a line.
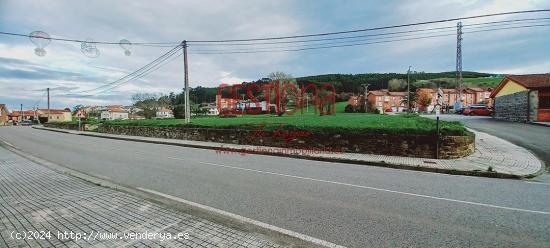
[523, 98]
[387, 101]
[114, 113]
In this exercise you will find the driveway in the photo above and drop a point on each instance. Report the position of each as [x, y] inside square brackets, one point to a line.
[533, 137]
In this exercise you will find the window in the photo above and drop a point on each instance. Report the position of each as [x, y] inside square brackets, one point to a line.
[544, 102]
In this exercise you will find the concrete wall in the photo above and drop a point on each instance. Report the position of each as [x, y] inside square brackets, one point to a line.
[512, 107]
[387, 144]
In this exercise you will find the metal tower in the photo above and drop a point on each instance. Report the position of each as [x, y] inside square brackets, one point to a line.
[459, 82]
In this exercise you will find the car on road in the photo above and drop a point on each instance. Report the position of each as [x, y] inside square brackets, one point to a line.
[26, 123]
[481, 110]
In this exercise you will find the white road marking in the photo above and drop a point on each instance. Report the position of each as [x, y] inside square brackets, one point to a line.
[374, 188]
[248, 220]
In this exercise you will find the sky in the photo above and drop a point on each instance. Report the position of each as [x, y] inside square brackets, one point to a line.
[66, 70]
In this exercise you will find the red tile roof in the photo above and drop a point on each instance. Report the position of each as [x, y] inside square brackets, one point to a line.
[54, 111]
[532, 80]
[529, 81]
[117, 110]
[25, 113]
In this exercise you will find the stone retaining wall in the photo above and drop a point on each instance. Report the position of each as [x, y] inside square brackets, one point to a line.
[513, 107]
[385, 144]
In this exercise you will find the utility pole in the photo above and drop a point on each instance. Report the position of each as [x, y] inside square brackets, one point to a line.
[21, 115]
[48, 90]
[186, 72]
[366, 87]
[459, 82]
[409, 89]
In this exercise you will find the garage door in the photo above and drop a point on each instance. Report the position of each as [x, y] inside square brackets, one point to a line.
[543, 113]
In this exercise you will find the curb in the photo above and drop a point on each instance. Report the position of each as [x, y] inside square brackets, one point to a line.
[276, 234]
[539, 124]
[323, 159]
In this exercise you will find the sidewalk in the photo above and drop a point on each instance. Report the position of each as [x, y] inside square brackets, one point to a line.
[505, 159]
[53, 206]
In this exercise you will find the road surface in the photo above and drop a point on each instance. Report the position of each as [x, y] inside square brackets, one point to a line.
[350, 205]
[533, 137]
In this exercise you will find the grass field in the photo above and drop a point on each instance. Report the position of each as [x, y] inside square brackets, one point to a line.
[341, 122]
[468, 82]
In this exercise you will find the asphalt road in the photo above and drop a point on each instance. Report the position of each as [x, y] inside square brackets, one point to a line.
[350, 205]
[533, 137]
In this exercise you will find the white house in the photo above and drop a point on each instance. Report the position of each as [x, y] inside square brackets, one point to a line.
[114, 114]
[211, 109]
[163, 113]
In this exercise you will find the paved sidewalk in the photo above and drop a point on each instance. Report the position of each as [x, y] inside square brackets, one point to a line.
[493, 157]
[34, 199]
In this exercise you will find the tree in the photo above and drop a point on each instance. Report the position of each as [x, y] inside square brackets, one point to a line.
[412, 102]
[291, 90]
[146, 101]
[76, 108]
[424, 99]
[397, 84]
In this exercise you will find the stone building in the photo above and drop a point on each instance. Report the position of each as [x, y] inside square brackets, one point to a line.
[523, 98]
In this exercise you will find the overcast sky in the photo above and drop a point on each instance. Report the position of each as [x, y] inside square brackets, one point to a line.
[24, 76]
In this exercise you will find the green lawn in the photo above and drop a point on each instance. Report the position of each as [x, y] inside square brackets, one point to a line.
[341, 122]
[468, 82]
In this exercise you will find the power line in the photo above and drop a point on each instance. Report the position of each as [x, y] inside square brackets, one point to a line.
[349, 41]
[371, 29]
[162, 44]
[133, 75]
[90, 42]
[145, 73]
[352, 44]
[504, 22]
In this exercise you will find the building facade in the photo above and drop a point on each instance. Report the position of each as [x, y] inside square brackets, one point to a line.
[523, 98]
[4, 115]
[114, 113]
[386, 101]
[164, 113]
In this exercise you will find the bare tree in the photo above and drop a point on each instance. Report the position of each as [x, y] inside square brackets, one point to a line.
[397, 84]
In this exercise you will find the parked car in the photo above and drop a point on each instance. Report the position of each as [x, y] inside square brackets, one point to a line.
[26, 123]
[481, 110]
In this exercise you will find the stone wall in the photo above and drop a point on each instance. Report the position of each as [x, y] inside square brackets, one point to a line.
[386, 144]
[513, 107]
[70, 126]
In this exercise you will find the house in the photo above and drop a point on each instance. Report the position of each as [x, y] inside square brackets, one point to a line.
[55, 115]
[164, 113]
[4, 115]
[25, 115]
[387, 101]
[223, 103]
[470, 95]
[114, 113]
[523, 98]
[210, 109]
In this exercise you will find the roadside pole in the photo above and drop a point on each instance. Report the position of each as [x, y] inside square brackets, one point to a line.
[21, 115]
[186, 78]
[409, 90]
[437, 136]
[48, 119]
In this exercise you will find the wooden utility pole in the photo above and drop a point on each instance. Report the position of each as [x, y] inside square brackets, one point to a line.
[186, 93]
